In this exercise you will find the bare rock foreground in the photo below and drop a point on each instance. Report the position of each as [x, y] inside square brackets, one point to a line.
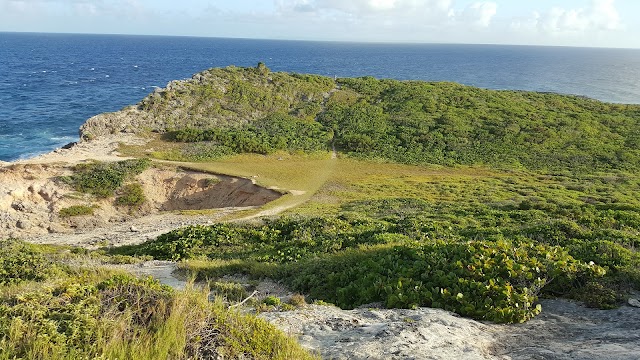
[564, 330]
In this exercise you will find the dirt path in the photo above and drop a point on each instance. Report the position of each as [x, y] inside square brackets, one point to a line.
[298, 197]
[567, 330]
[564, 330]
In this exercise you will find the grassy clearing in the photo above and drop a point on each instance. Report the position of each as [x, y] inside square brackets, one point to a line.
[299, 176]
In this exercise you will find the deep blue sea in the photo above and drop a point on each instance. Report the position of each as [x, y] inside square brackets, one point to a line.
[51, 83]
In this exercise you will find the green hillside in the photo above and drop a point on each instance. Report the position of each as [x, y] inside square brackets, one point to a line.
[240, 110]
[537, 196]
[403, 193]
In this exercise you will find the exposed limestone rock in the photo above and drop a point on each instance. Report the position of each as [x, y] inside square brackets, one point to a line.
[23, 224]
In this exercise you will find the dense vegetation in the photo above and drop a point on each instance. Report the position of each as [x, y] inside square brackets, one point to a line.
[409, 122]
[49, 310]
[484, 261]
[103, 179]
[264, 136]
[532, 195]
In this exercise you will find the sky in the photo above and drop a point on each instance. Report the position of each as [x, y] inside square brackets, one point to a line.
[590, 23]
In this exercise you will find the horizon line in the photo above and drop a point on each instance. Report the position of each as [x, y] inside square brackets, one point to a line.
[321, 41]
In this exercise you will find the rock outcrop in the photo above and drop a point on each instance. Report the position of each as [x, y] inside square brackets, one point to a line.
[215, 97]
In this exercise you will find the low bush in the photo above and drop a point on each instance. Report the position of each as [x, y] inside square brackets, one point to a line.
[496, 281]
[76, 210]
[103, 179]
[229, 291]
[97, 314]
[264, 136]
[271, 300]
[20, 261]
[131, 195]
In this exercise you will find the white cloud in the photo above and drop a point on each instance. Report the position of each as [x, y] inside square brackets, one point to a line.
[480, 14]
[599, 16]
[420, 13]
[368, 7]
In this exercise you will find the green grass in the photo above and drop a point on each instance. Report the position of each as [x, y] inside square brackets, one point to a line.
[76, 210]
[103, 179]
[56, 311]
[442, 195]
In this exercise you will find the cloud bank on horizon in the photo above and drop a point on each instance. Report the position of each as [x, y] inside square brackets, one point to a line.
[606, 23]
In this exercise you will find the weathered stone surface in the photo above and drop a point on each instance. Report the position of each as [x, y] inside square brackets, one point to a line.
[24, 224]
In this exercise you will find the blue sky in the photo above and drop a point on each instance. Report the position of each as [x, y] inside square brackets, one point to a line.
[601, 23]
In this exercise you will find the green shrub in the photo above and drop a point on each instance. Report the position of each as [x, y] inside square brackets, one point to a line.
[297, 300]
[127, 318]
[496, 281]
[21, 262]
[76, 210]
[103, 179]
[264, 136]
[271, 300]
[131, 195]
[232, 292]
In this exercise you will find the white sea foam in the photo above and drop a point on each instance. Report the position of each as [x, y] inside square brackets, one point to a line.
[30, 155]
[63, 138]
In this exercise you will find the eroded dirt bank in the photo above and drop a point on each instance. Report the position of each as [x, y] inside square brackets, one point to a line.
[32, 196]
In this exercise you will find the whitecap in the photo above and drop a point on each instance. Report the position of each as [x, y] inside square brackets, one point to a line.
[61, 138]
[135, 66]
[106, 76]
[31, 155]
[92, 69]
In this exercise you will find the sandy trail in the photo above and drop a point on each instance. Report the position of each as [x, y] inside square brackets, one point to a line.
[101, 149]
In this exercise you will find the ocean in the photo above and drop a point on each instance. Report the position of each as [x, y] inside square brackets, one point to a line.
[51, 83]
